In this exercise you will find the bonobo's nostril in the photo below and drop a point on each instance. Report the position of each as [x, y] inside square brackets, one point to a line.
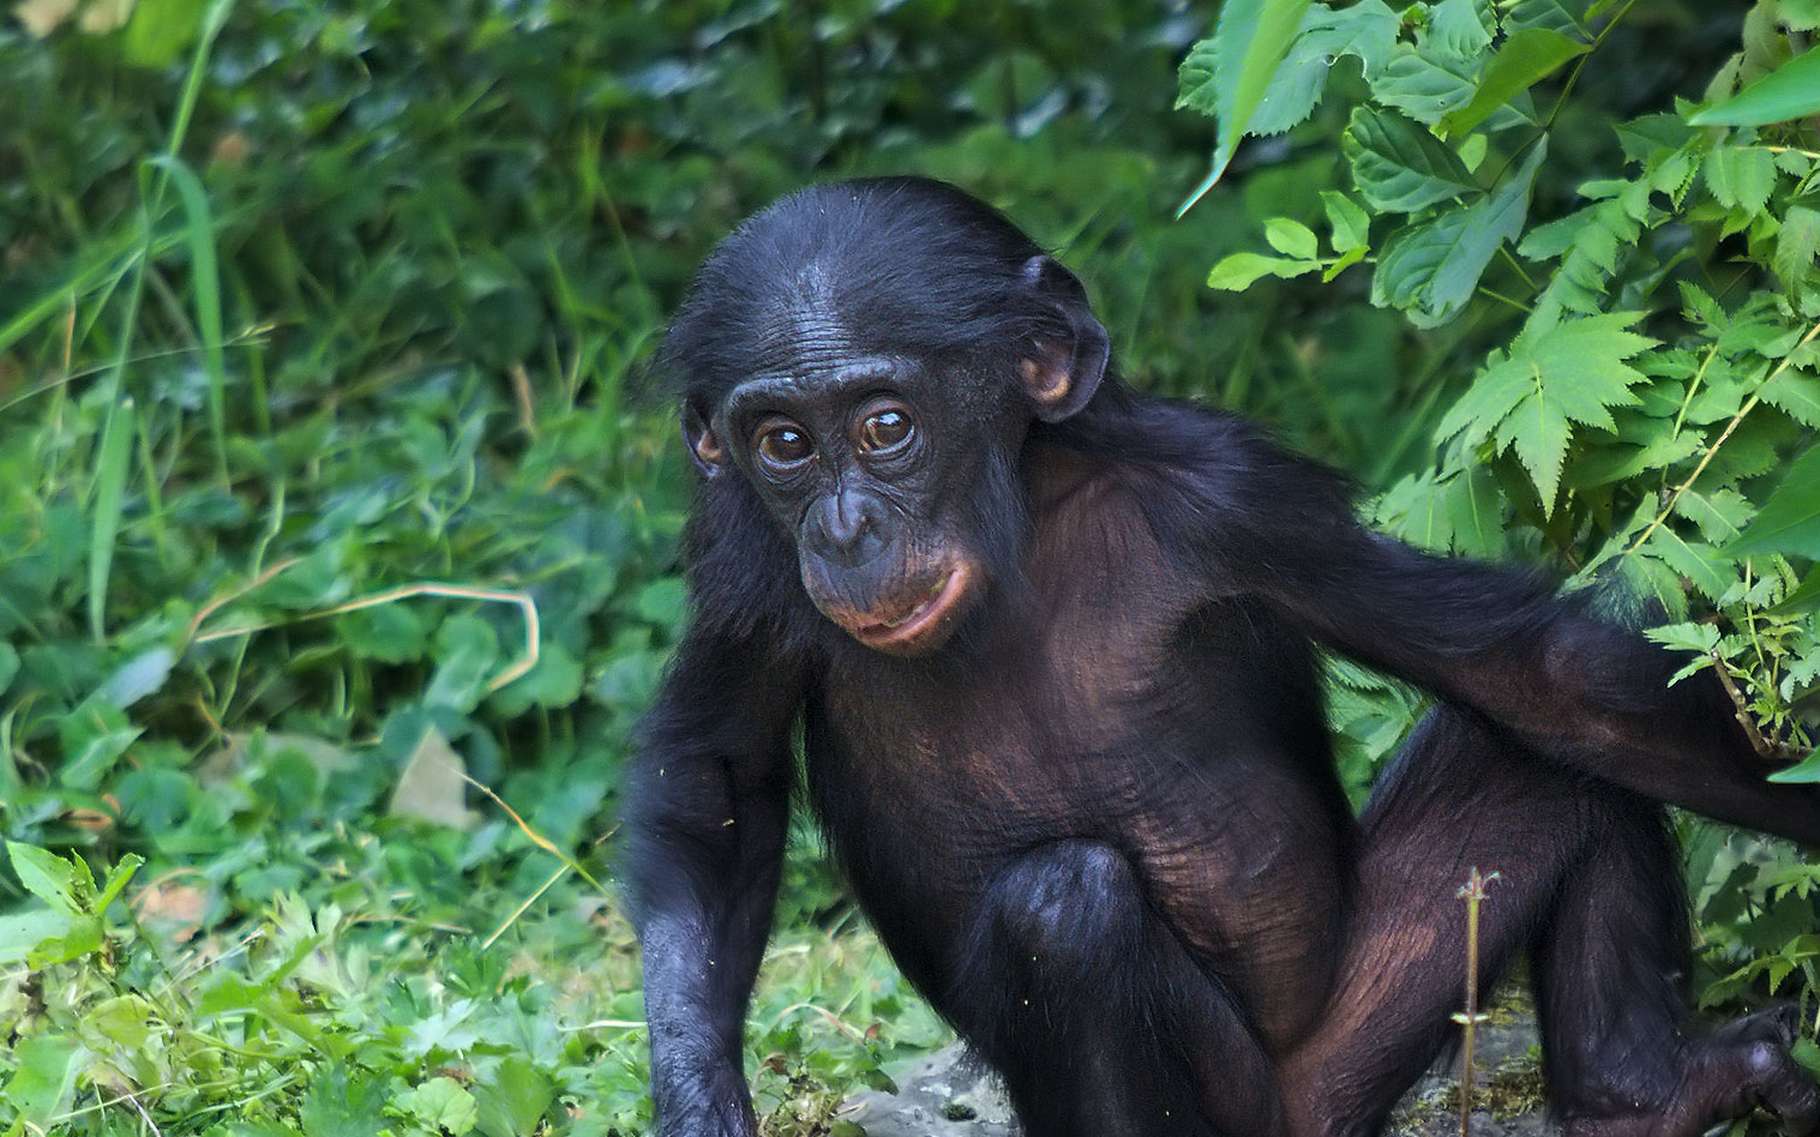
[846, 526]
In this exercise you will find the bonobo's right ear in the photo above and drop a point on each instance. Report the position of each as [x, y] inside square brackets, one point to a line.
[704, 445]
[1061, 374]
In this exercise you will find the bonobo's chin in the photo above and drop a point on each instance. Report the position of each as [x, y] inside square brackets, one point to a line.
[917, 618]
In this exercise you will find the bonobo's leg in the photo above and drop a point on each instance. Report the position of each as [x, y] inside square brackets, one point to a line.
[1610, 968]
[1101, 1025]
[1462, 795]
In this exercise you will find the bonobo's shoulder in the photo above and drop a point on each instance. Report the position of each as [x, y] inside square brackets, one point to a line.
[1177, 452]
[741, 570]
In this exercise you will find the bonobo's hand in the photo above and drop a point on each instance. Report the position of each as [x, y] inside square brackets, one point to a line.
[710, 1102]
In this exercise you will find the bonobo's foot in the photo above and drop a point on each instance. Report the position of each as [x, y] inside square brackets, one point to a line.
[1724, 1075]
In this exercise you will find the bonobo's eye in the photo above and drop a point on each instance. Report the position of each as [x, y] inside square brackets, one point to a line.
[783, 446]
[885, 427]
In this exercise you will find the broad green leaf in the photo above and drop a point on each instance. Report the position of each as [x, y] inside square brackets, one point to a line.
[389, 633]
[1367, 30]
[1526, 58]
[1790, 91]
[94, 736]
[554, 682]
[161, 30]
[23, 936]
[1351, 225]
[1431, 270]
[440, 1105]
[1421, 85]
[1226, 76]
[1564, 16]
[1398, 166]
[1238, 271]
[1789, 521]
[1291, 238]
[44, 1078]
[467, 651]
[47, 876]
[1721, 514]
[1457, 27]
[138, 677]
[1740, 177]
[1801, 15]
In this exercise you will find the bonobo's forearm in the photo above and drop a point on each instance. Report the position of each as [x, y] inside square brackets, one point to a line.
[707, 807]
[1580, 689]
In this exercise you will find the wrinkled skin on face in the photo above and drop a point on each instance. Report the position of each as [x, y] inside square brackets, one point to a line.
[860, 461]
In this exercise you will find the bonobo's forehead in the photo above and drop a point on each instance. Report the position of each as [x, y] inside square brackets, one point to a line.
[876, 269]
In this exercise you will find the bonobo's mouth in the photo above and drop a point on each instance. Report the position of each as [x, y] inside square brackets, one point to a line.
[924, 621]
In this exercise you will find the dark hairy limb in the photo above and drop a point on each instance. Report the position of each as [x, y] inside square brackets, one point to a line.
[706, 813]
[1589, 882]
[1101, 1024]
[1584, 691]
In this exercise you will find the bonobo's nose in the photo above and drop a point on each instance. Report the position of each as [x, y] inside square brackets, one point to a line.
[847, 527]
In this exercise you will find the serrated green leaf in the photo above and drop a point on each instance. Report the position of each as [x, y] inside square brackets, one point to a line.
[1399, 167]
[1789, 521]
[1458, 28]
[1529, 400]
[47, 876]
[1367, 31]
[1431, 270]
[1227, 75]
[1291, 238]
[1524, 59]
[1720, 515]
[1797, 243]
[1564, 16]
[1796, 394]
[1422, 86]
[1709, 573]
[1790, 91]
[1740, 177]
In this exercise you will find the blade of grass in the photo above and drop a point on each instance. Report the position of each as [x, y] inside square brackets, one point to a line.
[205, 280]
[110, 493]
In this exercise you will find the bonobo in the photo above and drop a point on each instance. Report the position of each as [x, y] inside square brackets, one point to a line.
[1051, 646]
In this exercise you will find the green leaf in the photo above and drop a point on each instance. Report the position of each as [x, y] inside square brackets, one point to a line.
[1740, 177]
[1457, 27]
[1291, 238]
[467, 650]
[1529, 401]
[1564, 16]
[439, 1105]
[138, 677]
[1367, 30]
[110, 494]
[1789, 521]
[1351, 225]
[388, 633]
[1227, 75]
[1797, 243]
[554, 682]
[44, 1078]
[1238, 271]
[1526, 58]
[1398, 166]
[1795, 394]
[117, 881]
[1790, 91]
[161, 30]
[1431, 270]
[48, 877]
[94, 736]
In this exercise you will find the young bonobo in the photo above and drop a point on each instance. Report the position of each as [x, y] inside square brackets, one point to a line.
[1050, 644]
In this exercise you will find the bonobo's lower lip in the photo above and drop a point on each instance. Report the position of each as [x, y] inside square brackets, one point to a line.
[924, 622]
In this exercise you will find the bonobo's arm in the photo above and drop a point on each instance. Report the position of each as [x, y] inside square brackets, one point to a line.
[706, 813]
[1582, 690]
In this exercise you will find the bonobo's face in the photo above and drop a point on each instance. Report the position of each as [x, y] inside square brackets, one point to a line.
[866, 461]
[868, 356]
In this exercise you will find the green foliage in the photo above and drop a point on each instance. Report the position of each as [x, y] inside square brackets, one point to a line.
[1645, 378]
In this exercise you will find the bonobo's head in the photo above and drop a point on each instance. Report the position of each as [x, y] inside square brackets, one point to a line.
[868, 356]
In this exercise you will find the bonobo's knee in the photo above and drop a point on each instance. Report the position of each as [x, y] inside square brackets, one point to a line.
[1066, 910]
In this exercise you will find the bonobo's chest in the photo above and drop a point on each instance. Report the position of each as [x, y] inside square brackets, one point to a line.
[1033, 723]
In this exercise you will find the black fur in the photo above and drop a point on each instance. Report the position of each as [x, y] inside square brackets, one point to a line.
[1092, 812]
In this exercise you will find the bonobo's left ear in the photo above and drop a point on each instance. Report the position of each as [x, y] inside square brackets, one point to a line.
[704, 445]
[1062, 374]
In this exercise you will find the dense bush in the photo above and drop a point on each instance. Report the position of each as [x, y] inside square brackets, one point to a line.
[327, 481]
